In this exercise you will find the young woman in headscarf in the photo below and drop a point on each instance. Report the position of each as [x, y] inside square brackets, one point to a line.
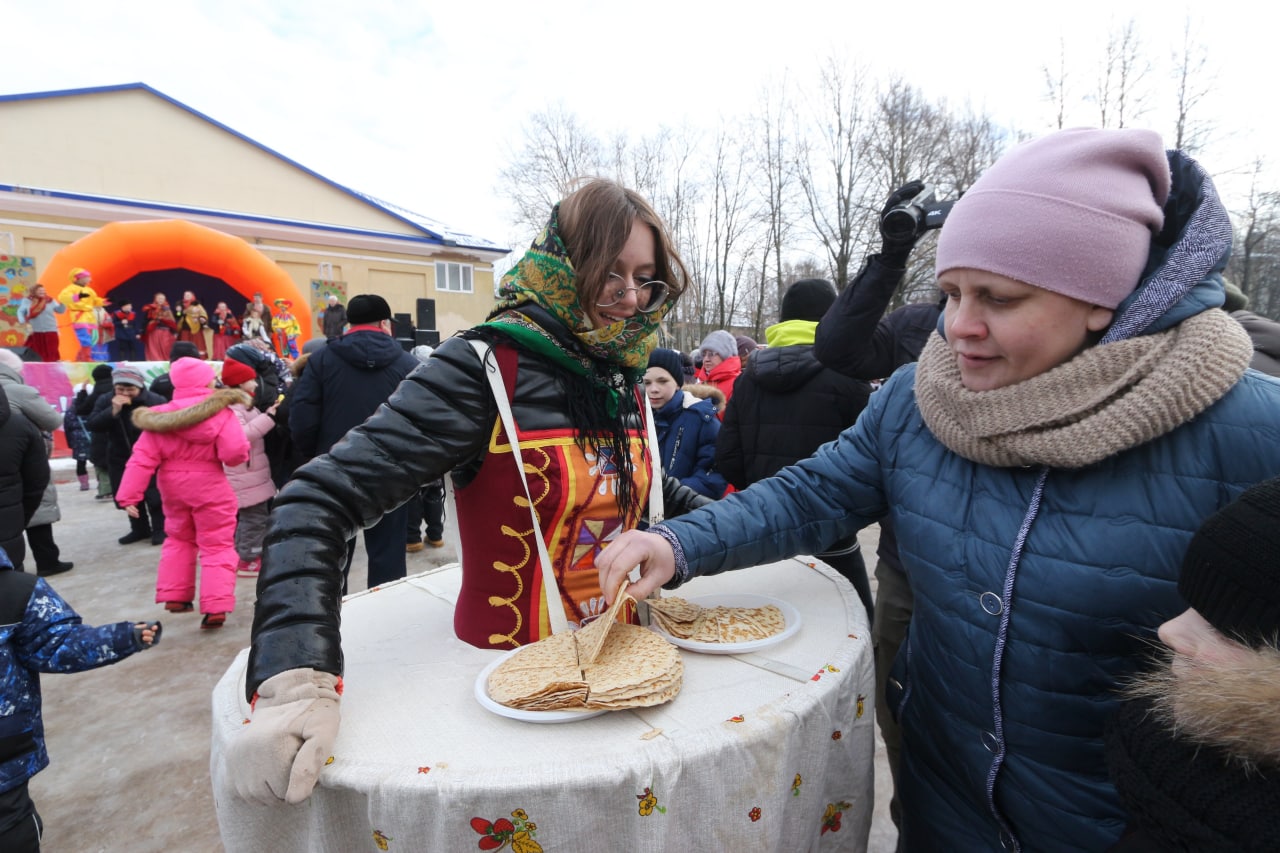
[571, 334]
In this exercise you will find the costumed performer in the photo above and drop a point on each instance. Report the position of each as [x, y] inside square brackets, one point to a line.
[82, 300]
[161, 329]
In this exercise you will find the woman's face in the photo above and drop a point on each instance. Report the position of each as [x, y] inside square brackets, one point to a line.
[1003, 331]
[161, 299]
[1194, 641]
[37, 292]
[188, 296]
[659, 387]
[635, 265]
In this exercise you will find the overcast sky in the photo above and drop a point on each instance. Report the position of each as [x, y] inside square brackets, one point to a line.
[420, 102]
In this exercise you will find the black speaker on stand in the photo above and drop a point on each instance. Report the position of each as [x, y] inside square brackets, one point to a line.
[427, 338]
[426, 313]
[402, 329]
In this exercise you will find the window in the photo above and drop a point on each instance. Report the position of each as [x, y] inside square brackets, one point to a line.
[455, 278]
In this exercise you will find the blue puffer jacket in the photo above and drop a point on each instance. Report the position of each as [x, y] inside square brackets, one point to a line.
[687, 428]
[39, 632]
[1009, 670]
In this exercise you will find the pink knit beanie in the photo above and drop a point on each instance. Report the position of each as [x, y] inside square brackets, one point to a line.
[1072, 212]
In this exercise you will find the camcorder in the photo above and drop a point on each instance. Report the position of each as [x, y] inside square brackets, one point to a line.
[910, 219]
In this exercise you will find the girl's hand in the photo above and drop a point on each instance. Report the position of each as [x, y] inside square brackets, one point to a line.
[633, 549]
[132, 511]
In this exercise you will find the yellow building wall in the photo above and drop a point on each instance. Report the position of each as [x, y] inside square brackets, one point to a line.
[133, 144]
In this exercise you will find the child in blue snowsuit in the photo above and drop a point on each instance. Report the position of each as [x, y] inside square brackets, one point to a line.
[39, 632]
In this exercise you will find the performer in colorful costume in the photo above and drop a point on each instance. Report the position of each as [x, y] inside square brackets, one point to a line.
[161, 329]
[286, 329]
[193, 324]
[82, 301]
[571, 333]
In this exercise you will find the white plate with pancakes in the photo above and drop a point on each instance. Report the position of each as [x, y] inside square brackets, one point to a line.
[733, 601]
[482, 696]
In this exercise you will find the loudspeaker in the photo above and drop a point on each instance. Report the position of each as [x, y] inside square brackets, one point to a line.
[402, 326]
[427, 338]
[426, 314]
[406, 344]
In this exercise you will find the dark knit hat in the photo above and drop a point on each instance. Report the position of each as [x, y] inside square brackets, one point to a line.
[101, 373]
[127, 374]
[807, 299]
[366, 308]
[746, 346]
[1231, 573]
[183, 349]
[670, 361]
[236, 373]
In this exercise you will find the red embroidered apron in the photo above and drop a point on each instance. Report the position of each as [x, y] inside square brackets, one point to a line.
[502, 603]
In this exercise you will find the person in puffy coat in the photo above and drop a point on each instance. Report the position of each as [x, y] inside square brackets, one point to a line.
[251, 481]
[40, 632]
[1195, 749]
[570, 334]
[24, 474]
[85, 401]
[26, 399]
[687, 425]
[190, 440]
[786, 405]
[1046, 463]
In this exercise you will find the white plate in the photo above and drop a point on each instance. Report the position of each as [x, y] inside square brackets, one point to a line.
[482, 696]
[790, 617]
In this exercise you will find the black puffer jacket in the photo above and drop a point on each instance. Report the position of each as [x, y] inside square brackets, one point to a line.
[343, 384]
[119, 429]
[858, 339]
[85, 403]
[24, 473]
[438, 421]
[785, 406]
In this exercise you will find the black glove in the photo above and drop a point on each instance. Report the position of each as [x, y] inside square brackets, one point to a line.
[897, 249]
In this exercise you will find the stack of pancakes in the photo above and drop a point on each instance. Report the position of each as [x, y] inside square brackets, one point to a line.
[689, 621]
[606, 665]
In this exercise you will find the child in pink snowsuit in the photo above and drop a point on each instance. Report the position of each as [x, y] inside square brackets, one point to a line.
[190, 440]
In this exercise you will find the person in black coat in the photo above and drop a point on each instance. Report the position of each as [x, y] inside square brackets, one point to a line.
[24, 474]
[857, 339]
[84, 405]
[786, 405]
[113, 416]
[162, 384]
[344, 383]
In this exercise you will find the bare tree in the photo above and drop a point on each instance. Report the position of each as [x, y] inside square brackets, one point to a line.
[556, 151]
[1255, 267]
[1193, 82]
[1055, 81]
[1121, 92]
[830, 164]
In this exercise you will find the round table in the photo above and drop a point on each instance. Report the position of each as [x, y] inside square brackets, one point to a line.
[771, 750]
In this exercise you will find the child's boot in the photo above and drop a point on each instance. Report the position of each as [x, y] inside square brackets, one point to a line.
[84, 482]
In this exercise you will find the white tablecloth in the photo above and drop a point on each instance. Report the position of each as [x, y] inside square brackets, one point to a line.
[767, 751]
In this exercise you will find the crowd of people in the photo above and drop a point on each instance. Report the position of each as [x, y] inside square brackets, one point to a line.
[1071, 460]
[147, 333]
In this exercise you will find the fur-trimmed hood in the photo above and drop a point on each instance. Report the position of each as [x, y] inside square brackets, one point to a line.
[707, 392]
[163, 419]
[1228, 705]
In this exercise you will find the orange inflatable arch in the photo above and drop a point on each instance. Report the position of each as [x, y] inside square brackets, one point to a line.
[118, 251]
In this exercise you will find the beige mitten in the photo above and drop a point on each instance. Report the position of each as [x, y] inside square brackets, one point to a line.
[279, 754]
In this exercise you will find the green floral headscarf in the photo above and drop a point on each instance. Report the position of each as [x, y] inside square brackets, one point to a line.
[545, 277]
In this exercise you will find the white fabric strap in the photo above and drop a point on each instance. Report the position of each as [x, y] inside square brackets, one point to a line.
[657, 511]
[550, 589]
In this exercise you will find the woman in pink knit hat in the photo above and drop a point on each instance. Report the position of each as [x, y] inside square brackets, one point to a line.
[190, 440]
[1083, 407]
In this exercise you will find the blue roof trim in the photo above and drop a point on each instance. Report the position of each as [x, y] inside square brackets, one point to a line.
[437, 237]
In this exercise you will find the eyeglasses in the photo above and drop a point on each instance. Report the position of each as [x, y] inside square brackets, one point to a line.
[649, 296]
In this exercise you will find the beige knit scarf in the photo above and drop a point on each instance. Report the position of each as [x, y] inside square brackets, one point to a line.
[1105, 400]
